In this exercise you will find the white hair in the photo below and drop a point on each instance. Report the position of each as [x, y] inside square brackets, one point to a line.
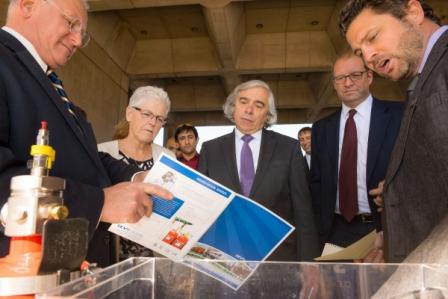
[150, 94]
[13, 2]
[229, 105]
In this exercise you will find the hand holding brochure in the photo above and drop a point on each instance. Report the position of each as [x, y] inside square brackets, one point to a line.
[205, 220]
[176, 225]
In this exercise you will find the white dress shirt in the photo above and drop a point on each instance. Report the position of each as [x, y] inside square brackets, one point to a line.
[362, 121]
[254, 147]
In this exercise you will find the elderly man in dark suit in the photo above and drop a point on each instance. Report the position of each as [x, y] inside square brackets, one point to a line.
[39, 37]
[263, 165]
[339, 179]
[403, 40]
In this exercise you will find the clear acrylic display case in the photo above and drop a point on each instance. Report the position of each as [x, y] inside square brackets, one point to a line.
[164, 278]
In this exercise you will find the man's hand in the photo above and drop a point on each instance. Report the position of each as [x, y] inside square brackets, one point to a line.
[129, 202]
[376, 255]
[377, 193]
[312, 280]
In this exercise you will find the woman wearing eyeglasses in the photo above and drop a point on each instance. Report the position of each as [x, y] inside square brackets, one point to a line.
[145, 116]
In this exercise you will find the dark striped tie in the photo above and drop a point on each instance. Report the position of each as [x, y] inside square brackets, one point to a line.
[57, 84]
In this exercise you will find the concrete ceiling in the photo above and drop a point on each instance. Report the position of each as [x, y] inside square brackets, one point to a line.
[200, 50]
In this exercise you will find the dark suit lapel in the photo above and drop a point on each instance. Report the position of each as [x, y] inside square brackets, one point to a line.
[434, 57]
[36, 71]
[333, 143]
[267, 148]
[379, 121]
[305, 161]
[229, 157]
[45, 83]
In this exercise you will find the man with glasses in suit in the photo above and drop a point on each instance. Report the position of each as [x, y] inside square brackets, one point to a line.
[41, 36]
[350, 154]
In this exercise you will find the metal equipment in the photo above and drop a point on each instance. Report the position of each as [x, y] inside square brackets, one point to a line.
[45, 246]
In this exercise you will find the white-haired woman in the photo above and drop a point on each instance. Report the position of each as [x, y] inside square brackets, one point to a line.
[133, 144]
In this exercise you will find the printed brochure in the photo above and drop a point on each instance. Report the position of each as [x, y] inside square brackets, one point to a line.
[206, 221]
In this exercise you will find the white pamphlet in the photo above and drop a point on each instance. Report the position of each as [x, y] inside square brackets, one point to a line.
[176, 225]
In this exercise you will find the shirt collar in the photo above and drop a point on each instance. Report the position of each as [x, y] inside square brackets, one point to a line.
[239, 135]
[28, 45]
[431, 42]
[362, 109]
[195, 157]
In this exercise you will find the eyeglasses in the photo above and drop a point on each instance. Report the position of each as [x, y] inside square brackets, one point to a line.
[148, 115]
[355, 76]
[74, 25]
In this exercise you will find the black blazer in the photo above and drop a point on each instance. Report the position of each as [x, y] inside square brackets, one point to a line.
[384, 125]
[26, 98]
[280, 185]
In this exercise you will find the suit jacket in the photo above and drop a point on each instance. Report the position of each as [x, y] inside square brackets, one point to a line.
[26, 98]
[384, 125]
[280, 185]
[416, 187]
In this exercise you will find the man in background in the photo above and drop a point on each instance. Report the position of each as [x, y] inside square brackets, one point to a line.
[351, 149]
[173, 146]
[263, 165]
[187, 137]
[404, 40]
[304, 137]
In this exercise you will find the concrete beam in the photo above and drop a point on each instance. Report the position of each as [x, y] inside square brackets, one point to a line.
[226, 29]
[227, 32]
[322, 86]
[298, 51]
[103, 5]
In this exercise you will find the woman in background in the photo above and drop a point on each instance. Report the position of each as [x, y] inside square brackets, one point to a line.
[145, 116]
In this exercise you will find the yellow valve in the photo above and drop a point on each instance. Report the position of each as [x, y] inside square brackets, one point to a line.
[44, 150]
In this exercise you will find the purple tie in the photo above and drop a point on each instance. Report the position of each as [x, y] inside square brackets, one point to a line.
[247, 171]
[348, 182]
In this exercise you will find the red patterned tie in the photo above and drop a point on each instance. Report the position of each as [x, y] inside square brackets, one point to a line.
[348, 186]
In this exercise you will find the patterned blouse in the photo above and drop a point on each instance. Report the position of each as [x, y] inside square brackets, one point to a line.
[129, 248]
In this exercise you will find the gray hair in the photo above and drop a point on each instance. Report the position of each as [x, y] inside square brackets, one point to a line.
[229, 105]
[150, 94]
